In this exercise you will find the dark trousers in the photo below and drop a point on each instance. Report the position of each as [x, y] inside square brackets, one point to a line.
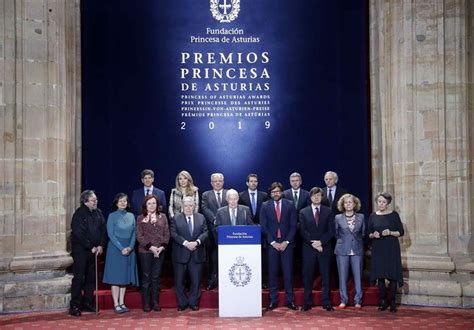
[213, 257]
[150, 279]
[283, 260]
[383, 291]
[84, 278]
[194, 270]
[311, 260]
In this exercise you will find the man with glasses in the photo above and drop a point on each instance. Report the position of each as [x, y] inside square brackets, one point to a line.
[278, 221]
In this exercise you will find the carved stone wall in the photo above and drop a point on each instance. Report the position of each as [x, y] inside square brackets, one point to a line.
[421, 103]
[40, 149]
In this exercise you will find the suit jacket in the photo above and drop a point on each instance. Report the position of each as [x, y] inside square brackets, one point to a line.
[139, 195]
[339, 192]
[209, 205]
[243, 216]
[323, 232]
[270, 225]
[180, 233]
[303, 199]
[244, 199]
[349, 240]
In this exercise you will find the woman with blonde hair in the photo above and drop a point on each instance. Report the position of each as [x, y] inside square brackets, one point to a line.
[350, 232]
[184, 187]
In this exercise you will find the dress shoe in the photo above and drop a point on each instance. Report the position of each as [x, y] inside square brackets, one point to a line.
[292, 306]
[383, 306]
[156, 308]
[328, 307]
[88, 308]
[74, 311]
[393, 307]
[194, 307]
[124, 308]
[306, 307]
[272, 306]
[118, 310]
[146, 309]
[182, 308]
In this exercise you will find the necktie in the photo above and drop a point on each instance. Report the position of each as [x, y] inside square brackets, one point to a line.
[316, 216]
[219, 199]
[295, 199]
[278, 215]
[330, 196]
[190, 226]
[147, 192]
[233, 218]
[254, 204]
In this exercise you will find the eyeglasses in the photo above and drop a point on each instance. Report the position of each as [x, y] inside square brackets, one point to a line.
[275, 192]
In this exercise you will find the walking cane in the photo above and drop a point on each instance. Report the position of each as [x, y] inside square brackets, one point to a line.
[96, 287]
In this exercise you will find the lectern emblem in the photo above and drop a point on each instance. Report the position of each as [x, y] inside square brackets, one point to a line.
[225, 11]
[240, 273]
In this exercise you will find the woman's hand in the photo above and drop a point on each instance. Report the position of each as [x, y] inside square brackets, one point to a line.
[386, 232]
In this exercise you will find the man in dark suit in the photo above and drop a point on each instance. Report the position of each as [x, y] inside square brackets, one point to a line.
[189, 232]
[212, 200]
[332, 193]
[317, 229]
[233, 214]
[253, 198]
[278, 221]
[148, 177]
[298, 196]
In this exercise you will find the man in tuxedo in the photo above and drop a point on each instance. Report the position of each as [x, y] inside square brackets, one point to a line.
[233, 214]
[298, 196]
[253, 198]
[148, 177]
[278, 221]
[212, 200]
[332, 193]
[317, 229]
[188, 233]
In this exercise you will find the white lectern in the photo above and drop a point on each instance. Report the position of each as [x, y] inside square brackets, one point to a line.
[240, 280]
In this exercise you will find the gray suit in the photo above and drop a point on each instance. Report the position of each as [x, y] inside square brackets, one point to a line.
[350, 241]
[185, 260]
[243, 217]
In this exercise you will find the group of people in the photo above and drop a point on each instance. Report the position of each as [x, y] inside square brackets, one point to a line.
[323, 221]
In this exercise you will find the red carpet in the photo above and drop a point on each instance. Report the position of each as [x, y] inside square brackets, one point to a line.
[407, 317]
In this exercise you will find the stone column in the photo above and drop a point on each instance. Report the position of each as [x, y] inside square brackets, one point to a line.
[421, 99]
[40, 149]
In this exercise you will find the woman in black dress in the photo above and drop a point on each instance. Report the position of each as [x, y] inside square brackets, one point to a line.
[384, 229]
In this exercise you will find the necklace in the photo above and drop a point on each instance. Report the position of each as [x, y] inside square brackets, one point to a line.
[349, 216]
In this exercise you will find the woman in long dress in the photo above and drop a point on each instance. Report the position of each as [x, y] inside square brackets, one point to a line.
[385, 227]
[121, 262]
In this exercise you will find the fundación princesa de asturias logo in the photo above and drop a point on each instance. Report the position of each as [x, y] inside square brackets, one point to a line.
[225, 11]
[240, 273]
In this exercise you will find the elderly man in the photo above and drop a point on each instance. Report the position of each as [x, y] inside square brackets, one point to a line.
[189, 233]
[212, 200]
[88, 238]
[332, 193]
[233, 214]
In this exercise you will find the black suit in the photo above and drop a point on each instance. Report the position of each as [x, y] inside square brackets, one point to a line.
[209, 207]
[286, 227]
[324, 232]
[185, 260]
[243, 217]
[339, 192]
[245, 199]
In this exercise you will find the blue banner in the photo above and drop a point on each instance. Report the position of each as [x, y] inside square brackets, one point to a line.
[235, 235]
